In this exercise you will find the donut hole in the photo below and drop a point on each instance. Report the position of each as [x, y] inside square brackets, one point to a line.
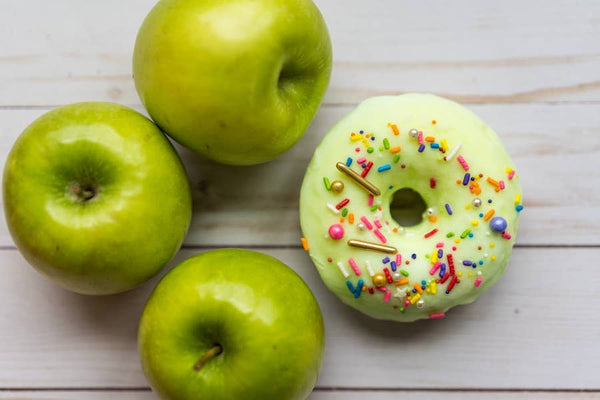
[407, 207]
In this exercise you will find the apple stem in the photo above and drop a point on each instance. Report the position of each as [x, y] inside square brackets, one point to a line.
[84, 193]
[212, 352]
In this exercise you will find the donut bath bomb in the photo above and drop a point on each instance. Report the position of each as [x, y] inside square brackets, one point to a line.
[410, 207]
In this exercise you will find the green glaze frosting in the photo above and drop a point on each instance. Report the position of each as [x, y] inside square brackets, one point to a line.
[428, 144]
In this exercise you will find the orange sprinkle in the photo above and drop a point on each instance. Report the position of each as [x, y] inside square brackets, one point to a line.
[395, 230]
[432, 218]
[489, 214]
[342, 220]
[418, 288]
[493, 182]
[304, 244]
[401, 282]
[430, 139]
[433, 122]
[395, 150]
[351, 218]
[394, 128]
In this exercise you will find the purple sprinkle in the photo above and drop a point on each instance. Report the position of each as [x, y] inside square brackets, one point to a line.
[467, 263]
[448, 209]
[440, 253]
[393, 265]
[442, 270]
[421, 148]
[466, 179]
[385, 260]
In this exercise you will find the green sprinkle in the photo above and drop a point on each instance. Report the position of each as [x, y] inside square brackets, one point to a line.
[380, 148]
[402, 309]
[465, 233]
[374, 207]
[326, 182]
[404, 272]
[386, 144]
[370, 150]
[449, 234]
[344, 212]
[397, 158]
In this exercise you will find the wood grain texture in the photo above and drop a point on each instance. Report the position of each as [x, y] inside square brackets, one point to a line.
[536, 329]
[316, 395]
[473, 52]
[556, 148]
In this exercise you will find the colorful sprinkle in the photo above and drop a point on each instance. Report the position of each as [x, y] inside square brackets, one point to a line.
[304, 243]
[385, 167]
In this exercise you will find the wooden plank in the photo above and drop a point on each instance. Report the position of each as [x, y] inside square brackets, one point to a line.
[487, 51]
[316, 395]
[556, 148]
[536, 329]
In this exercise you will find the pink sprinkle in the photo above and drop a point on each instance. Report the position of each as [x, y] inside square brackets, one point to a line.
[501, 183]
[462, 162]
[370, 201]
[406, 303]
[388, 294]
[435, 267]
[377, 223]
[380, 236]
[478, 282]
[382, 289]
[437, 316]
[361, 160]
[354, 266]
[420, 137]
[366, 222]
[440, 244]
[357, 149]
[506, 235]
[511, 175]
[398, 259]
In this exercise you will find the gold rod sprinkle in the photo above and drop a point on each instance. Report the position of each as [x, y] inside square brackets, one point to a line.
[372, 246]
[358, 179]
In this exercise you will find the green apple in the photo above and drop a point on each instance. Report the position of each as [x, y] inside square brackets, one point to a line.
[231, 324]
[95, 197]
[237, 81]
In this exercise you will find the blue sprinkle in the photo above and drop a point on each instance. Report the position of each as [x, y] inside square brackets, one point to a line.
[423, 283]
[349, 162]
[471, 235]
[362, 131]
[447, 292]
[385, 260]
[413, 256]
[421, 148]
[385, 167]
[519, 208]
[480, 215]
[448, 209]
[435, 145]
[472, 179]
[414, 290]
[393, 265]
[359, 289]
[466, 179]
[480, 262]
[364, 165]
[372, 138]
[391, 187]
[467, 263]
[490, 201]
[349, 284]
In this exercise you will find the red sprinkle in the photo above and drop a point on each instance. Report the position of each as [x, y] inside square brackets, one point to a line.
[429, 234]
[452, 283]
[367, 169]
[342, 203]
[388, 275]
[451, 263]
[432, 183]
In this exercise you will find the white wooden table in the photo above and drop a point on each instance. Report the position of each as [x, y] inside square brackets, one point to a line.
[531, 69]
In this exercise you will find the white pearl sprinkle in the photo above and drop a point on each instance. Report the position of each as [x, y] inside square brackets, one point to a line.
[420, 304]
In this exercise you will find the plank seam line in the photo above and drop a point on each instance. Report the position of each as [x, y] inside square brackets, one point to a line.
[22, 107]
[323, 389]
